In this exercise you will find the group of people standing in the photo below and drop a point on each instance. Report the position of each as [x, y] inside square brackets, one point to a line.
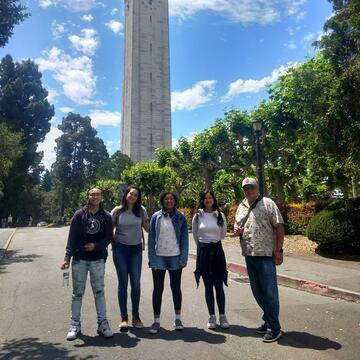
[93, 229]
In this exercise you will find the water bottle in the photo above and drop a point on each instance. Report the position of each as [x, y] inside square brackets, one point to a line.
[66, 277]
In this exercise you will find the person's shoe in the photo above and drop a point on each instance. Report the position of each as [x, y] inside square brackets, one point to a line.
[261, 329]
[104, 329]
[155, 327]
[74, 331]
[271, 336]
[124, 324]
[137, 323]
[211, 322]
[224, 324]
[178, 325]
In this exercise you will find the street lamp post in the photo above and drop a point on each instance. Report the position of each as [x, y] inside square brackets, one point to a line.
[257, 126]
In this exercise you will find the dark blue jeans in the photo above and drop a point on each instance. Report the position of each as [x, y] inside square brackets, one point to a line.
[263, 282]
[128, 260]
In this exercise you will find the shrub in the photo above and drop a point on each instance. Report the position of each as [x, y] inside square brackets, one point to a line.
[189, 213]
[337, 227]
[230, 217]
[297, 217]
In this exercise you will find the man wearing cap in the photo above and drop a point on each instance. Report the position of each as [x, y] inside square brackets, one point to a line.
[260, 226]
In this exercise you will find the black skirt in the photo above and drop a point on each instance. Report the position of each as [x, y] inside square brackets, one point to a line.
[211, 262]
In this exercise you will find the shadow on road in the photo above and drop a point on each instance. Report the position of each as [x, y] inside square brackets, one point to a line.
[33, 348]
[123, 340]
[304, 340]
[189, 334]
[11, 257]
[238, 330]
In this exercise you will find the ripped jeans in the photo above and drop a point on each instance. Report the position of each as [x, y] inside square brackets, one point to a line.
[80, 269]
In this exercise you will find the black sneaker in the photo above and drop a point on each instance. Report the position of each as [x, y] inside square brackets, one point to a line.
[261, 329]
[271, 336]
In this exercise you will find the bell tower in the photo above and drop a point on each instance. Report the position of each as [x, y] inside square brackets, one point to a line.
[146, 105]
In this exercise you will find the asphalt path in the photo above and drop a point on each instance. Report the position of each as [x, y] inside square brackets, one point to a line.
[35, 306]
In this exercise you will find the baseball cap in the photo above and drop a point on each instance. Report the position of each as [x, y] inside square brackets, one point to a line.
[249, 181]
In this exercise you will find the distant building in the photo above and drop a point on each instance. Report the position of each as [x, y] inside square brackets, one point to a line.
[146, 108]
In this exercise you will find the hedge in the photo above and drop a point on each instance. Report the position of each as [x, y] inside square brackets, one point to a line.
[337, 227]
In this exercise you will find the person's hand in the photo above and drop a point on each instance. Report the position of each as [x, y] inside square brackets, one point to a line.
[278, 257]
[65, 265]
[89, 247]
[238, 230]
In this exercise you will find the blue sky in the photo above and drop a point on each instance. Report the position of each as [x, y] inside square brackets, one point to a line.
[223, 54]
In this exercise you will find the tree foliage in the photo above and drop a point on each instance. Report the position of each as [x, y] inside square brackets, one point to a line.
[79, 152]
[11, 14]
[24, 109]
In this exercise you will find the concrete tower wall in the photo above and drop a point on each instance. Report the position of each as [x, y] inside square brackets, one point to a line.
[146, 114]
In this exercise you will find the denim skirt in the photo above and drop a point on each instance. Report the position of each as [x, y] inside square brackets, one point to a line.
[168, 262]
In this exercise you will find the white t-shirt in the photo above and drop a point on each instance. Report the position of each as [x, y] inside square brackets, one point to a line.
[167, 244]
[206, 229]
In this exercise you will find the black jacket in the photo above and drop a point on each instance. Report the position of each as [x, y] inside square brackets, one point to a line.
[79, 235]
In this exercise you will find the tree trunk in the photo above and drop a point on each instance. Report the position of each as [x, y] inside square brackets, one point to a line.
[355, 185]
[207, 178]
[279, 187]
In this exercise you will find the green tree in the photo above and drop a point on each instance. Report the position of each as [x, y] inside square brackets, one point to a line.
[151, 179]
[79, 152]
[341, 46]
[10, 150]
[24, 109]
[46, 181]
[11, 14]
[114, 166]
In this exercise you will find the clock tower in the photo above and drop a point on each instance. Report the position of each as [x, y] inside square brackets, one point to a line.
[146, 108]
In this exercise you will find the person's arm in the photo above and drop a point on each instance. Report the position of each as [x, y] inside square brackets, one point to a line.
[71, 242]
[145, 220]
[151, 242]
[237, 229]
[106, 240]
[184, 243]
[223, 228]
[279, 242]
[195, 229]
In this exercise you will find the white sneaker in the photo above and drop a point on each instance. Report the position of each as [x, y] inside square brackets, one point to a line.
[212, 322]
[224, 324]
[74, 331]
[104, 329]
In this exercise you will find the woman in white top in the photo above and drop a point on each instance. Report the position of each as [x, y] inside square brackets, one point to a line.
[209, 228]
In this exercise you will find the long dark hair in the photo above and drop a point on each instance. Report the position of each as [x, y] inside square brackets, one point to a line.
[215, 207]
[137, 206]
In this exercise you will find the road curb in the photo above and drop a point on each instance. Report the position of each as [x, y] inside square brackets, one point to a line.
[301, 284]
[4, 249]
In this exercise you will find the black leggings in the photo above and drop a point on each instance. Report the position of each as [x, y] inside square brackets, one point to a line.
[210, 283]
[175, 284]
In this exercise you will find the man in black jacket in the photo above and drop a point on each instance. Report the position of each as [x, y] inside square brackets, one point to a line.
[91, 231]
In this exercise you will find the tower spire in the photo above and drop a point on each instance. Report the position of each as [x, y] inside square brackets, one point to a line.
[146, 109]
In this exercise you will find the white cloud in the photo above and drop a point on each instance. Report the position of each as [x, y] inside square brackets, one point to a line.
[309, 37]
[115, 26]
[254, 86]
[52, 94]
[189, 138]
[190, 99]
[114, 11]
[105, 118]
[87, 43]
[75, 74]
[244, 11]
[87, 17]
[66, 109]
[290, 45]
[300, 16]
[58, 29]
[72, 5]
[48, 146]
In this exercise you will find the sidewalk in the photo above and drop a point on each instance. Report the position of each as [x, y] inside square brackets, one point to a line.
[5, 238]
[323, 276]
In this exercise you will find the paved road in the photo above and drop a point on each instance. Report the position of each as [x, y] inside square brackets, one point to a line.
[34, 311]
[4, 235]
